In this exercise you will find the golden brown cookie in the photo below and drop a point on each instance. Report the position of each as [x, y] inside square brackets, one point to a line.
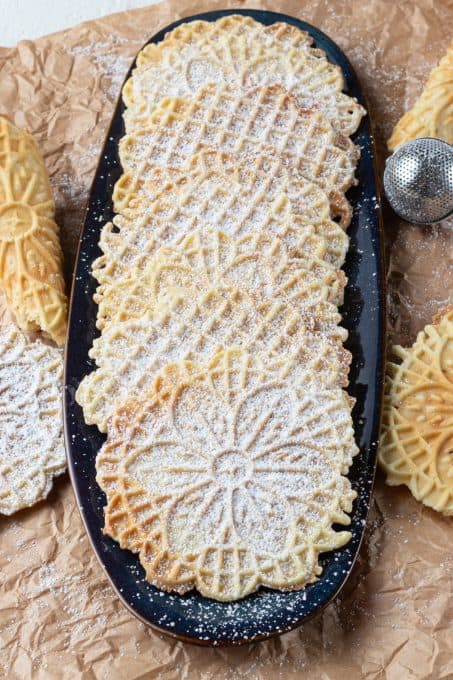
[30, 253]
[432, 113]
[416, 446]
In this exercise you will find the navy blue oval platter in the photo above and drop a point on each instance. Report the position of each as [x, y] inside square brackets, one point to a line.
[192, 617]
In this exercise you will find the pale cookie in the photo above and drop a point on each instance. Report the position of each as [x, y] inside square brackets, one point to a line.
[209, 259]
[432, 113]
[31, 273]
[31, 438]
[184, 64]
[195, 327]
[213, 193]
[416, 446]
[229, 478]
[130, 245]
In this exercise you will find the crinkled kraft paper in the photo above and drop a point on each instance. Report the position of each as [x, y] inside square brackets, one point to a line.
[59, 617]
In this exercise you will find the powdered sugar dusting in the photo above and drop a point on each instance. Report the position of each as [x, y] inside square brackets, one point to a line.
[175, 68]
[109, 63]
[30, 420]
[238, 468]
[130, 353]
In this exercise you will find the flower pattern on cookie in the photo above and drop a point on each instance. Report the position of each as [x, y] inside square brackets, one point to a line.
[238, 468]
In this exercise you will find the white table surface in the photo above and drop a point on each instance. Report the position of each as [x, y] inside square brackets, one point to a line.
[29, 19]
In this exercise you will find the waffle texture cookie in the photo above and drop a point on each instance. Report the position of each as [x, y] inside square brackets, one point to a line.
[128, 246]
[417, 434]
[228, 478]
[195, 327]
[214, 187]
[30, 253]
[263, 121]
[186, 61]
[32, 449]
[236, 25]
[213, 194]
[210, 260]
[432, 113]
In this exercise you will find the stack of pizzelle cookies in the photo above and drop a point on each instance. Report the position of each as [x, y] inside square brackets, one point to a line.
[220, 365]
[31, 366]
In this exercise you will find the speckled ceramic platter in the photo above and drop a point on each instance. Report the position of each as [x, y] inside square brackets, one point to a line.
[192, 617]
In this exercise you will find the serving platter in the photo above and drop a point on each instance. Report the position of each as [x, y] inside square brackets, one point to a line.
[192, 617]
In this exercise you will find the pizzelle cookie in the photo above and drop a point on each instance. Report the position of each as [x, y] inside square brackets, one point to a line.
[215, 193]
[228, 478]
[432, 113]
[208, 260]
[215, 187]
[263, 122]
[127, 245]
[416, 446]
[195, 327]
[184, 64]
[239, 25]
[30, 252]
[31, 376]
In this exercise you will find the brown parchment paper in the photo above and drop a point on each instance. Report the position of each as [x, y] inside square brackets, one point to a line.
[59, 617]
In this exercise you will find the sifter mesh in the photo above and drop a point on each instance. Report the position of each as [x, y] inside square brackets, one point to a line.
[418, 180]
